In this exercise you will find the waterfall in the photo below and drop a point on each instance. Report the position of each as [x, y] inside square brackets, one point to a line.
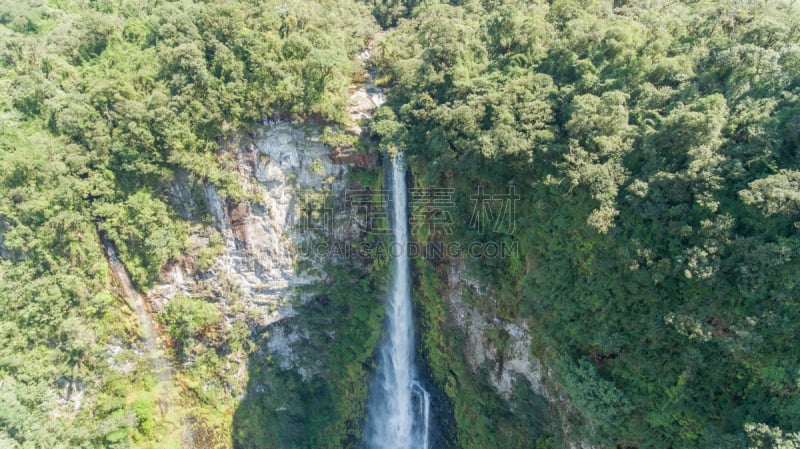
[160, 365]
[398, 414]
[162, 368]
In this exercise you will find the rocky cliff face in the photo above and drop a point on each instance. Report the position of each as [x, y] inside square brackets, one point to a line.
[515, 356]
[281, 170]
[285, 171]
[260, 268]
[512, 360]
[282, 167]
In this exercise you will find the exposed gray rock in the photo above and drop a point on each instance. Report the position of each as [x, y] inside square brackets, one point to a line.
[515, 361]
[261, 267]
[180, 195]
[516, 357]
[281, 340]
[278, 170]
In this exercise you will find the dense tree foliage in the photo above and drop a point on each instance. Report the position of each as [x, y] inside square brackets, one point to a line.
[324, 407]
[655, 148]
[102, 104]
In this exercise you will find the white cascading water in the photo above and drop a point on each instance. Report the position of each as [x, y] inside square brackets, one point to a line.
[400, 407]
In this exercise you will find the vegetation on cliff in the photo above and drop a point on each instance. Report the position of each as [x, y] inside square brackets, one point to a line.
[102, 103]
[654, 146]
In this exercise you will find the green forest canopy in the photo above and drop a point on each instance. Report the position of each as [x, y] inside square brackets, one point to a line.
[102, 104]
[656, 148]
[654, 144]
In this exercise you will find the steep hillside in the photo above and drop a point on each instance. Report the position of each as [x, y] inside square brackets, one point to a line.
[604, 209]
[133, 130]
[648, 152]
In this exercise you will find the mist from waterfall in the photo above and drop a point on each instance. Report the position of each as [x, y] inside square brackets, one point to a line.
[399, 407]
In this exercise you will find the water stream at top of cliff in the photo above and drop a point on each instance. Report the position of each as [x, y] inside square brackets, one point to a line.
[399, 406]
